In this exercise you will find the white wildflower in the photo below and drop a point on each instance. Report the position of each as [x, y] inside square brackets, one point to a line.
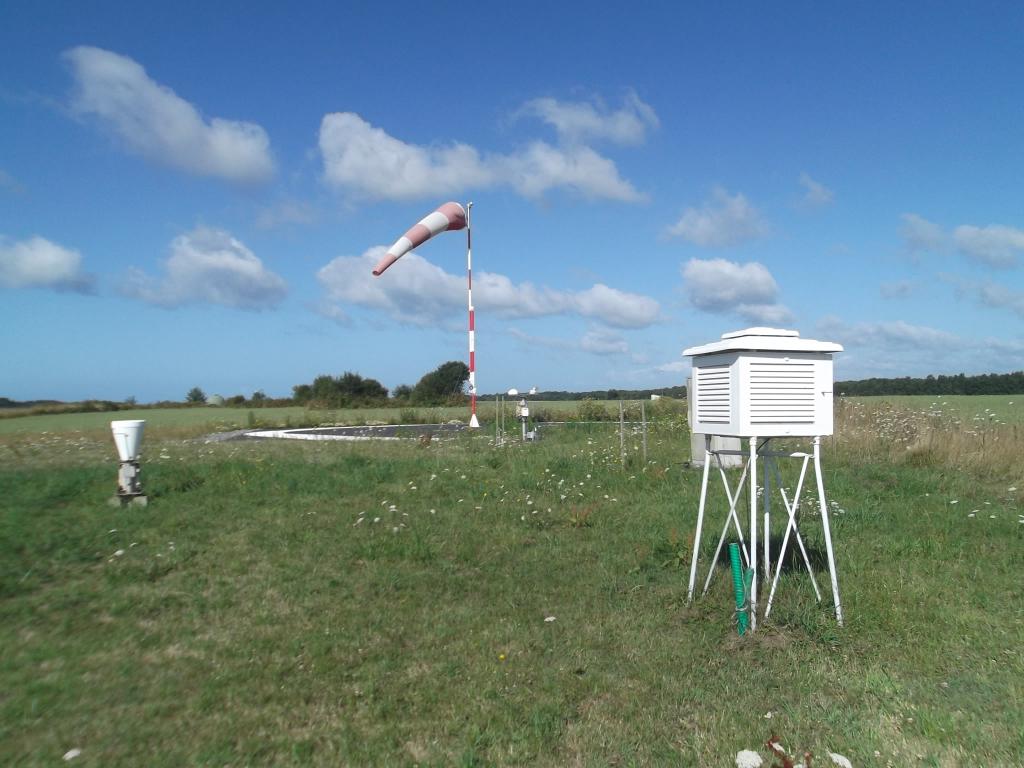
[548, 619]
[119, 553]
[747, 758]
[71, 754]
[840, 760]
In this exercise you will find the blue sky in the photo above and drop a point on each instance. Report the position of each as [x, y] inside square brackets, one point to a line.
[193, 194]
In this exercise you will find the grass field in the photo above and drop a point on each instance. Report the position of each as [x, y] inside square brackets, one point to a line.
[1006, 409]
[453, 603]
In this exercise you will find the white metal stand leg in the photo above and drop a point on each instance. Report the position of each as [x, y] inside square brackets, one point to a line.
[796, 530]
[732, 517]
[791, 526]
[828, 530]
[753, 534]
[700, 517]
[766, 496]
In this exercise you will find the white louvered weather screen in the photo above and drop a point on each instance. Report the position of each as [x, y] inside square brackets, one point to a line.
[782, 392]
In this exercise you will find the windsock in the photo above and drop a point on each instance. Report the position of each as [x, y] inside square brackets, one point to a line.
[448, 216]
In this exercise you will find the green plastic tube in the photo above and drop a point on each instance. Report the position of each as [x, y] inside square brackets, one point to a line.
[738, 587]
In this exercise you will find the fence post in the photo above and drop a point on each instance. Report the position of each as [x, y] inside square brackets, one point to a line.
[643, 421]
[622, 436]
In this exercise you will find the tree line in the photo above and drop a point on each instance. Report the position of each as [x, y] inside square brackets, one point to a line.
[960, 384]
[442, 386]
[603, 394]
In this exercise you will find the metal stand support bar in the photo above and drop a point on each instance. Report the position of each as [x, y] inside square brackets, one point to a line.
[770, 471]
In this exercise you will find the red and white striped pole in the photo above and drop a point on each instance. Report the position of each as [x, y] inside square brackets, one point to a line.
[473, 423]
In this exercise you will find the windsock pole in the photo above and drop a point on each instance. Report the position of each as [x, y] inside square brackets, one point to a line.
[473, 423]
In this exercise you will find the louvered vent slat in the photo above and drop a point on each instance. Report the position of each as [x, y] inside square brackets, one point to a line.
[714, 394]
[781, 392]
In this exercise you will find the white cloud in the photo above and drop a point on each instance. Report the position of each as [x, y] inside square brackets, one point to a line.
[721, 286]
[40, 263]
[601, 342]
[614, 307]
[576, 121]
[815, 193]
[898, 348]
[920, 235]
[994, 245]
[152, 120]
[596, 341]
[723, 221]
[765, 314]
[421, 293]
[366, 161]
[209, 266]
[889, 334]
[988, 293]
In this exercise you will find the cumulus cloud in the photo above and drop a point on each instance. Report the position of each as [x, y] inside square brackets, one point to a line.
[723, 221]
[922, 236]
[721, 286]
[40, 263]
[988, 293]
[576, 121]
[420, 293]
[994, 245]
[153, 121]
[367, 162]
[209, 266]
[816, 194]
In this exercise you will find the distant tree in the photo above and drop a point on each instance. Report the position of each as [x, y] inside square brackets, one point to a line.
[195, 395]
[442, 384]
[302, 393]
[130, 400]
[258, 397]
[236, 400]
[348, 390]
[613, 394]
[402, 392]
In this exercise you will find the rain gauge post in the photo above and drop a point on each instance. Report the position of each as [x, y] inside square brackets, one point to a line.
[128, 440]
[760, 385]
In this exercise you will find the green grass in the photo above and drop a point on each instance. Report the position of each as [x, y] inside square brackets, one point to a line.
[1008, 409]
[360, 604]
[181, 421]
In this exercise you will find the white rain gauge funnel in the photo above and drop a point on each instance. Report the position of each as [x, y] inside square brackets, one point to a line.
[128, 440]
[758, 385]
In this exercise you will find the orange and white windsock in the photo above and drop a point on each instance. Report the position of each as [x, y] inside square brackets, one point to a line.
[448, 216]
